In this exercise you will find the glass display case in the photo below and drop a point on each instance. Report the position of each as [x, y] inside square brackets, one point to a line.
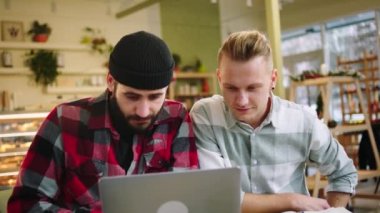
[16, 133]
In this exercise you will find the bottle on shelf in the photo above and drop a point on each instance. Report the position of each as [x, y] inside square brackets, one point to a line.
[6, 59]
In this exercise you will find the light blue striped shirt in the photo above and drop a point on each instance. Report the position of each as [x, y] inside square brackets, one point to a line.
[272, 157]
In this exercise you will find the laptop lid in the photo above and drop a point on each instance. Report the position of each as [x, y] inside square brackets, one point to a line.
[198, 191]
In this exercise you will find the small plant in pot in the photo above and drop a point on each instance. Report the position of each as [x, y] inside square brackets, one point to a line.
[39, 32]
[93, 37]
[43, 64]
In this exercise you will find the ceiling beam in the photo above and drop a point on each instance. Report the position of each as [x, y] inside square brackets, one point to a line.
[136, 8]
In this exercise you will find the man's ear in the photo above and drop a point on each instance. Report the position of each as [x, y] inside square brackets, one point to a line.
[274, 78]
[110, 82]
[219, 76]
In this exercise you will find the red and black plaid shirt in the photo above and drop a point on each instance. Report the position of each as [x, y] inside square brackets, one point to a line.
[75, 147]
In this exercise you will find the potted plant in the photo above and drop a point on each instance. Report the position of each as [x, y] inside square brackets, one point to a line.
[43, 64]
[39, 32]
[96, 41]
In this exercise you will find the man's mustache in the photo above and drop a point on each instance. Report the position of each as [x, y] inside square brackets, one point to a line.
[138, 118]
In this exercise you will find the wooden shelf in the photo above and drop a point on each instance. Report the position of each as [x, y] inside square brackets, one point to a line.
[360, 60]
[15, 71]
[341, 129]
[12, 116]
[189, 95]
[45, 46]
[325, 86]
[194, 75]
[324, 80]
[75, 90]
[10, 154]
[202, 94]
[100, 71]
[4, 174]
[63, 71]
[367, 65]
[17, 134]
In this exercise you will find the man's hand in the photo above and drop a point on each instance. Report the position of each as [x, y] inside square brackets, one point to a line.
[338, 199]
[281, 203]
[305, 203]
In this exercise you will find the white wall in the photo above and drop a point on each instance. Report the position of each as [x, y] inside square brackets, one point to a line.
[72, 15]
[237, 16]
[67, 19]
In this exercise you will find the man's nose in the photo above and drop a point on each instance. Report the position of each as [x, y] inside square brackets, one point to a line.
[142, 109]
[242, 99]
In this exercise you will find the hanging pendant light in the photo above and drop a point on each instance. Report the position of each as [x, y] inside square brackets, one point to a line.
[53, 6]
[7, 4]
[249, 3]
[109, 10]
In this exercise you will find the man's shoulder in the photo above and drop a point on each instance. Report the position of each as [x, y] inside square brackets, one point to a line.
[210, 103]
[174, 105]
[211, 111]
[80, 104]
[81, 109]
[173, 109]
[290, 107]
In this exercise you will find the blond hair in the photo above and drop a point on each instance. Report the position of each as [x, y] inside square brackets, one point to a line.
[244, 45]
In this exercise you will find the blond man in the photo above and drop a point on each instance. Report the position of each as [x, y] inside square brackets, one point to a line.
[268, 138]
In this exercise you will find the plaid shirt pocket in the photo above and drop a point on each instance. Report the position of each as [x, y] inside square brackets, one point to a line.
[83, 179]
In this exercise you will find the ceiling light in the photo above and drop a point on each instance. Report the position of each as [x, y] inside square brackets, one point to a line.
[249, 3]
[7, 4]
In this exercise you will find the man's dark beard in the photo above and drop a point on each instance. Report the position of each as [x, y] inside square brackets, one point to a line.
[123, 123]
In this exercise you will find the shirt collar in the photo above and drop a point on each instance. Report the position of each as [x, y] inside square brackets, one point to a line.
[273, 115]
[230, 118]
[99, 112]
[163, 114]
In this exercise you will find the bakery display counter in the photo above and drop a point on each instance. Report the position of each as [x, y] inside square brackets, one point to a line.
[16, 134]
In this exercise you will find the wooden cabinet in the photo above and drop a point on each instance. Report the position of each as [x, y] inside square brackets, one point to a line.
[367, 65]
[191, 86]
[16, 133]
[326, 85]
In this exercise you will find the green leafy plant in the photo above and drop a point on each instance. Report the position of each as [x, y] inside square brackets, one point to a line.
[311, 74]
[43, 64]
[97, 42]
[38, 28]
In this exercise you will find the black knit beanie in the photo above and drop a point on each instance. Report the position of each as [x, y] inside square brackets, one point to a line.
[143, 61]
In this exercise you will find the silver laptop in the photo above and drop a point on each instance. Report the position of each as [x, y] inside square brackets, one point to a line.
[197, 191]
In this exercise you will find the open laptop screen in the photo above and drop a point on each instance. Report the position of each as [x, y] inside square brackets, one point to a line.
[198, 191]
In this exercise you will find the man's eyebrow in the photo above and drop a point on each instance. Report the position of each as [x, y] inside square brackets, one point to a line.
[156, 94]
[138, 94]
[250, 85]
[131, 93]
